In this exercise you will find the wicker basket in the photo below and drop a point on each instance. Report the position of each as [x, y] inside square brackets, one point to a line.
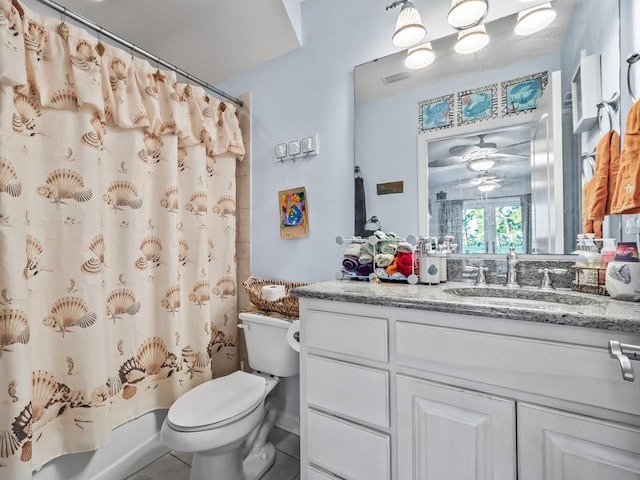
[288, 305]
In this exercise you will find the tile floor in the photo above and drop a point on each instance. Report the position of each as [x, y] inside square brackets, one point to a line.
[175, 465]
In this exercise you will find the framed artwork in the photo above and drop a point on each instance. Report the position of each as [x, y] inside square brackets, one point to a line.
[435, 114]
[294, 220]
[477, 104]
[521, 95]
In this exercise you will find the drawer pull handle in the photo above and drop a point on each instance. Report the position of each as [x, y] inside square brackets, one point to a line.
[622, 352]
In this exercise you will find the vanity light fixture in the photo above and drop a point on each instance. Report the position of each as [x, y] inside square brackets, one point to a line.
[481, 164]
[534, 19]
[465, 14]
[487, 187]
[409, 27]
[420, 56]
[472, 39]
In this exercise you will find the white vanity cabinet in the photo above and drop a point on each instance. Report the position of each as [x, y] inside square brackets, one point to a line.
[391, 393]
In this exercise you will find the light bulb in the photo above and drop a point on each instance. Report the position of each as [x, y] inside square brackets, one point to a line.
[472, 40]
[409, 27]
[420, 56]
[467, 13]
[487, 187]
[534, 19]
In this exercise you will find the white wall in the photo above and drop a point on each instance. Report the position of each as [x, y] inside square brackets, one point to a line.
[303, 92]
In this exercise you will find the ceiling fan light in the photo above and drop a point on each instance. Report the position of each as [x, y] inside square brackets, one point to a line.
[534, 19]
[487, 187]
[420, 56]
[465, 14]
[409, 27]
[472, 39]
[481, 164]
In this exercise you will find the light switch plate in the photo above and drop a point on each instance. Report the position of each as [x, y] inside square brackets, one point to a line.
[281, 150]
[310, 144]
[294, 147]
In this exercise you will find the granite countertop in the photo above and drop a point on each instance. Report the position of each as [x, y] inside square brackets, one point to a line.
[599, 312]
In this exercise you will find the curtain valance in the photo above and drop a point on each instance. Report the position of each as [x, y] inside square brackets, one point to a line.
[65, 68]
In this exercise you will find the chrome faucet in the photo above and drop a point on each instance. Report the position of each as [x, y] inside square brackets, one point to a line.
[512, 273]
[480, 279]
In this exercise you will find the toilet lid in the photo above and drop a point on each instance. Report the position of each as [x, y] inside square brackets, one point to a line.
[217, 400]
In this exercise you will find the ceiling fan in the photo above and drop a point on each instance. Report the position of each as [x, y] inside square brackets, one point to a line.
[480, 151]
[484, 178]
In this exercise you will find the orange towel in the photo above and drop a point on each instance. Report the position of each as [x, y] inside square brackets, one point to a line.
[626, 198]
[587, 200]
[596, 193]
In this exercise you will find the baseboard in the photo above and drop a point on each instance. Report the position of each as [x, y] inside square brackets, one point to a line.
[288, 422]
[135, 460]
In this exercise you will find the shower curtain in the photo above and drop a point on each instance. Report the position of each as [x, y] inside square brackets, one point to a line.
[117, 239]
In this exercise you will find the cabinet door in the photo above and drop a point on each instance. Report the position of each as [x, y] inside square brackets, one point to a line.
[554, 445]
[447, 433]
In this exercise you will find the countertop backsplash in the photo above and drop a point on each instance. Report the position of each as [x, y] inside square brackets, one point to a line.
[528, 271]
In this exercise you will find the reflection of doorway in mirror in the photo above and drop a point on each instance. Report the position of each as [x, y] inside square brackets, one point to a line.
[494, 228]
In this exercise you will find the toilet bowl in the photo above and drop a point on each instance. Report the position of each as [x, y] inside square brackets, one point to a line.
[225, 422]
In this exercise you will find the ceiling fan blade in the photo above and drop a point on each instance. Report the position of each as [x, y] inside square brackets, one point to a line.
[462, 150]
[446, 162]
[509, 155]
[513, 145]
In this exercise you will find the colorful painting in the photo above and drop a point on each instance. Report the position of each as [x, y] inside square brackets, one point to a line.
[294, 222]
[477, 104]
[521, 95]
[435, 114]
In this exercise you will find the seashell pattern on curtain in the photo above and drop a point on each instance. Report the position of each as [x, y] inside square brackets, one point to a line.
[117, 239]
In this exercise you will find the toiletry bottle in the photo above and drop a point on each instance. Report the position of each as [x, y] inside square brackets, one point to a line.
[592, 258]
[607, 254]
[429, 271]
[581, 260]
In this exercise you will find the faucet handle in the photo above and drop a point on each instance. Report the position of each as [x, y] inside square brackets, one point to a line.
[558, 271]
[480, 279]
[546, 280]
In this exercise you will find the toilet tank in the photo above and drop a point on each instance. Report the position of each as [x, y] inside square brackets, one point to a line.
[267, 347]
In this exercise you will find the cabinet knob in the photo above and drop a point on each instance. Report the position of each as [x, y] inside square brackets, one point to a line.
[624, 353]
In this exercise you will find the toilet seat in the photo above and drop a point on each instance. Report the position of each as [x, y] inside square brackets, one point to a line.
[217, 402]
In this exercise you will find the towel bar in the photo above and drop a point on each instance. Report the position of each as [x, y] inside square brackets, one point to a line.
[611, 106]
[631, 59]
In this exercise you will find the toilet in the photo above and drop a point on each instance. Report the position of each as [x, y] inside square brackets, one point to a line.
[225, 422]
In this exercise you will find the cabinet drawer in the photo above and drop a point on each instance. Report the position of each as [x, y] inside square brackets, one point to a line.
[358, 392]
[575, 373]
[350, 451]
[362, 337]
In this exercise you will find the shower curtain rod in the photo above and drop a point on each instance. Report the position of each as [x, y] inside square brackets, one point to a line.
[88, 23]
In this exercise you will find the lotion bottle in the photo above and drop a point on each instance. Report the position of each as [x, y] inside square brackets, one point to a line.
[607, 255]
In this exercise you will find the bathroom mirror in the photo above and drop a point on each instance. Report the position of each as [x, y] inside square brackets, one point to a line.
[391, 144]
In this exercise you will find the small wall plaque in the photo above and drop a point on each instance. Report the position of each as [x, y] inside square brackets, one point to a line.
[390, 187]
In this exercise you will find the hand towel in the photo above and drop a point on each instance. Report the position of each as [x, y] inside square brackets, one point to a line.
[596, 193]
[353, 250]
[365, 258]
[388, 247]
[365, 269]
[350, 264]
[404, 247]
[383, 259]
[626, 198]
[380, 272]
